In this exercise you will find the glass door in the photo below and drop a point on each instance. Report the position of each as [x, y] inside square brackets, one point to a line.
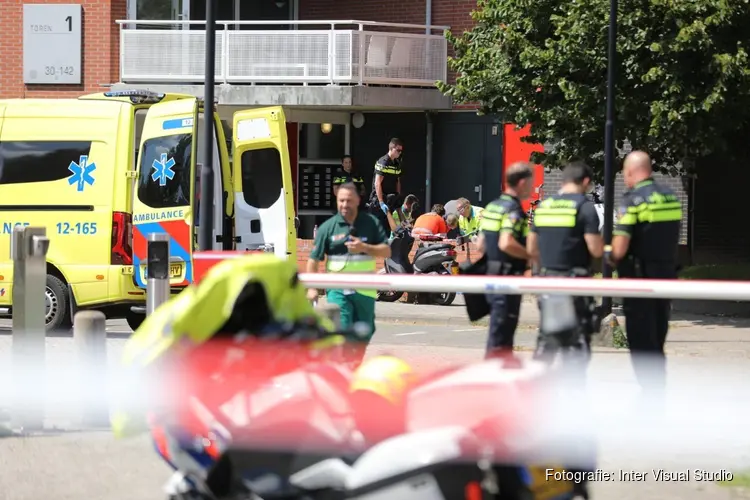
[159, 10]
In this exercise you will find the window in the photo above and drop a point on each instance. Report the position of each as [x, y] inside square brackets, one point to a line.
[164, 173]
[39, 161]
[261, 177]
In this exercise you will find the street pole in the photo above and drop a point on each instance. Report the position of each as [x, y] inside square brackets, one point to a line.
[205, 210]
[609, 147]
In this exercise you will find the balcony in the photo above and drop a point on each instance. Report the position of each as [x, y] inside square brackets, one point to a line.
[344, 53]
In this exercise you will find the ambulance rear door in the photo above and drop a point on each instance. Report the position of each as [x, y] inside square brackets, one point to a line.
[264, 204]
[165, 185]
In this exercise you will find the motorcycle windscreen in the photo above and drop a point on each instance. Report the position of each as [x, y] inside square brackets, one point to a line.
[164, 187]
[264, 205]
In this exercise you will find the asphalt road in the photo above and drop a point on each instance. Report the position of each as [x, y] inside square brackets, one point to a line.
[91, 465]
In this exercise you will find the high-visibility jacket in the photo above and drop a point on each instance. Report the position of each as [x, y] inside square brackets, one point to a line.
[353, 264]
[200, 311]
[470, 225]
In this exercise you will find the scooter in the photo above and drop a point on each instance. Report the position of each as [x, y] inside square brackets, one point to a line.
[433, 256]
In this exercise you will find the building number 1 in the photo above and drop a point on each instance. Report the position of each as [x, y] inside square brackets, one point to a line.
[69, 20]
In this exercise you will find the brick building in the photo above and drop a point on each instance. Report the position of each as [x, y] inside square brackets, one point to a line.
[350, 75]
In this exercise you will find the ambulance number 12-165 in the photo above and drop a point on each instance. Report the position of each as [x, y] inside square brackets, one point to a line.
[76, 228]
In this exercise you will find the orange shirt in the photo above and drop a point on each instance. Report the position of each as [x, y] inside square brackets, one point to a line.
[432, 222]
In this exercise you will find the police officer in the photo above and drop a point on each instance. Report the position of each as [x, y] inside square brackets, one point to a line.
[502, 238]
[345, 174]
[350, 241]
[387, 180]
[564, 236]
[644, 245]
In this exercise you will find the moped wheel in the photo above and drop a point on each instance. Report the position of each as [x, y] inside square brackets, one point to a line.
[388, 296]
[443, 299]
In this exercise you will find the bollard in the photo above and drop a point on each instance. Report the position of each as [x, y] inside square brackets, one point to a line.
[157, 291]
[90, 337]
[28, 250]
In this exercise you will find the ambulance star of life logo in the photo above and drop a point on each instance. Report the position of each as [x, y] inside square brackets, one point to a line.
[163, 169]
[81, 173]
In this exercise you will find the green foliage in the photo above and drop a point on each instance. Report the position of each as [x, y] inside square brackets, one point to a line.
[619, 339]
[683, 84]
[728, 272]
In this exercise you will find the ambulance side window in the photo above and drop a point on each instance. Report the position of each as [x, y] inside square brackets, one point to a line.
[40, 161]
[164, 171]
[261, 177]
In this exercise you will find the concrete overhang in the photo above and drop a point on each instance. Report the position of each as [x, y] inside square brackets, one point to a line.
[333, 97]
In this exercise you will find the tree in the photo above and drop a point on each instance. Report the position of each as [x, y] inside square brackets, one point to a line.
[683, 77]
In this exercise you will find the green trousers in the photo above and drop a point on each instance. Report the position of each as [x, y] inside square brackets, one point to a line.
[355, 308]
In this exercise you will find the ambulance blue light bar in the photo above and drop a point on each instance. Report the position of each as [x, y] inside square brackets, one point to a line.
[137, 96]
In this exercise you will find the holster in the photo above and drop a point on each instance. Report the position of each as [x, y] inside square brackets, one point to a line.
[589, 314]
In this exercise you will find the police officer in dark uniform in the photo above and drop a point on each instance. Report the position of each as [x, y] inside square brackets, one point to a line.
[346, 174]
[564, 236]
[385, 181]
[644, 245]
[502, 239]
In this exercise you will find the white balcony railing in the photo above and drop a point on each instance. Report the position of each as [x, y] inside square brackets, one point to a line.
[373, 53]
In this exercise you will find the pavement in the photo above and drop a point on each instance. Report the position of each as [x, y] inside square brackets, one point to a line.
[455, 315]
[76, 464]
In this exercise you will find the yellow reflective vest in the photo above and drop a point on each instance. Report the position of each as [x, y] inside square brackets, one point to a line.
[199, 311]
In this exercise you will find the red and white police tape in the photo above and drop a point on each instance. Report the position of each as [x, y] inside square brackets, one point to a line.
[510, 285]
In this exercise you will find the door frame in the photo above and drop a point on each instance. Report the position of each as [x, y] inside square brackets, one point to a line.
[309, 117]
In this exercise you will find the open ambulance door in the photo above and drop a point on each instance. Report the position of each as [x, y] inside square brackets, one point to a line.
[264, 205]
[165, 196]
[165, 181]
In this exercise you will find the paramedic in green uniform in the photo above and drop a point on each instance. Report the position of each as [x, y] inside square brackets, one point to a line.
[350, 241]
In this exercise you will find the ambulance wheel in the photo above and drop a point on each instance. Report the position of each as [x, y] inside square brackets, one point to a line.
[56, 307]
[134, 320]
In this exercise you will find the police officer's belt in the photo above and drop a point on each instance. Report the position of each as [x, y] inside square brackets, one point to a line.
[353, 264]
[497, 268]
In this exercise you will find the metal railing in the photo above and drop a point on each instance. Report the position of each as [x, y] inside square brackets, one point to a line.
[373, 53]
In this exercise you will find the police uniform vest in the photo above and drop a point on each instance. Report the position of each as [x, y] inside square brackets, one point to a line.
[560, 231]
[650, 214]
[503, 215]
[343, 177]
[391, 171]
[353, 264]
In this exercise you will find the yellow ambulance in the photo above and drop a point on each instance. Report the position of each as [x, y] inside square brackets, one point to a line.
[103, 171]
